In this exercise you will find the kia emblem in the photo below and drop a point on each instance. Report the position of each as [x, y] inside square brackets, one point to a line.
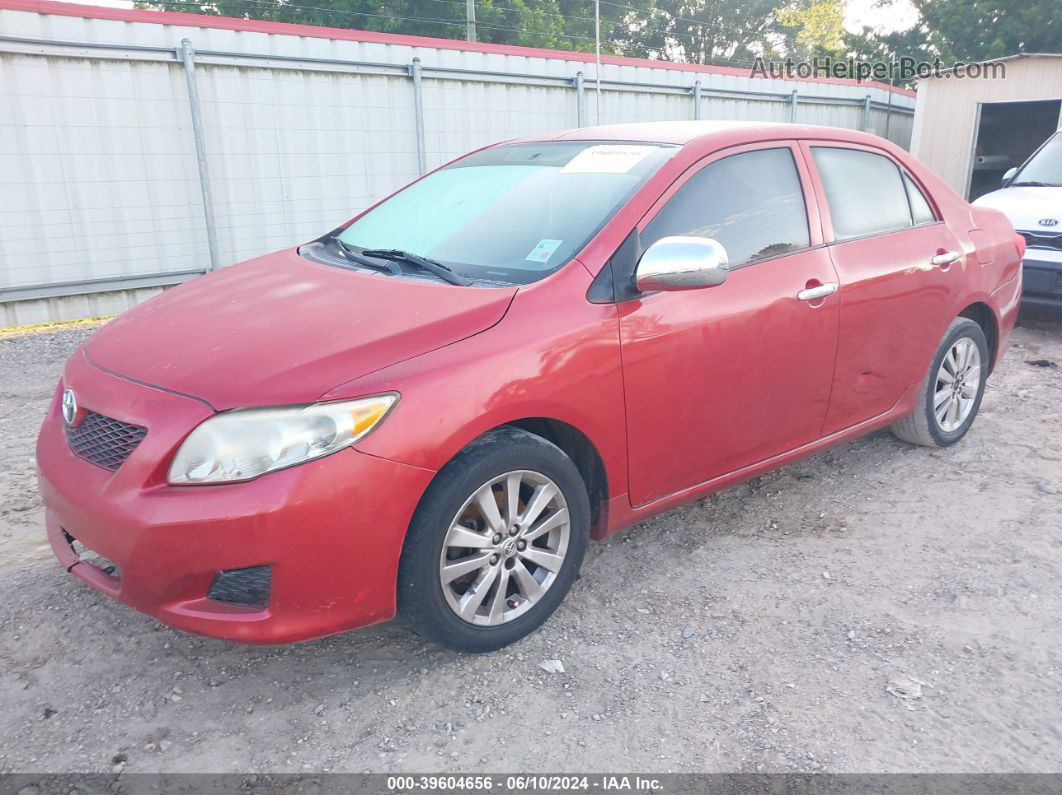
[1048, 222]
[69, 407]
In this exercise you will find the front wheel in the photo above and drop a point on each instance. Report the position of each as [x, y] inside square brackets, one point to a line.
[951, 393]
[495, 544]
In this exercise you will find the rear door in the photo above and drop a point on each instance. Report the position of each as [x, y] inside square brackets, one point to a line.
[899, 267]
[722, 377]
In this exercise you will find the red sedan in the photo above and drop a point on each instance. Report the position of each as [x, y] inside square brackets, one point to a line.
[433, 408]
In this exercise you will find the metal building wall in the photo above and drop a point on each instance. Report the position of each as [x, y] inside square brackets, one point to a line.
[100, 195]
[947, 111]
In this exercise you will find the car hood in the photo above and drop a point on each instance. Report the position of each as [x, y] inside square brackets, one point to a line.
[1027, 207]
[282, 330]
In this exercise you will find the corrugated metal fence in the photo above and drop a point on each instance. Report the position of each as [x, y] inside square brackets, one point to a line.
[137, 154]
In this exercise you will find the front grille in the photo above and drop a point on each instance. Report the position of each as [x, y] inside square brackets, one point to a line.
[1043, 240]
[247, 587]
[104, 441]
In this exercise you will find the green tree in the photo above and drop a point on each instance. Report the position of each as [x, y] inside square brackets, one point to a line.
[814, 29]
[872, 45]
[701, 31]
[686, 30]
[560, 24]
[706, 31]
[971, 30]
[617, 18]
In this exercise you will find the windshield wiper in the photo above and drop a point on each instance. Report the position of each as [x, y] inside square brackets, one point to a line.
[1032, 183]
[444, 272]
[350, 254]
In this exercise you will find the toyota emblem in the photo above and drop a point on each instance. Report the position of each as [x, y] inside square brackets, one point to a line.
[69, 407]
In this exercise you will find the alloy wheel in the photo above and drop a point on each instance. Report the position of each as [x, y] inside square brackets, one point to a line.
[504, 548]
[958, 380]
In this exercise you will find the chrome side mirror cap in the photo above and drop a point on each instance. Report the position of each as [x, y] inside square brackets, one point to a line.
[1008, 174]
[681, 263]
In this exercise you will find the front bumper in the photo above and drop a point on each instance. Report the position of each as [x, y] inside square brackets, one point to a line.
[331, 530]
[1042, 270]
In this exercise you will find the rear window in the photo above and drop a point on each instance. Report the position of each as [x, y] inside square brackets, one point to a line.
[921, 212]
[865, 192]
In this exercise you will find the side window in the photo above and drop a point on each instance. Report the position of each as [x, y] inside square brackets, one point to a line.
[752, 203]
[920, 209]
[865, 192]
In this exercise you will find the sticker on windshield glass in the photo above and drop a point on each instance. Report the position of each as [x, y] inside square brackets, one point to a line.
[607, 159]
[543, 251]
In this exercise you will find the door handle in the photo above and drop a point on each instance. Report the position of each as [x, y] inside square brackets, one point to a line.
[945, 258]
[815, 293]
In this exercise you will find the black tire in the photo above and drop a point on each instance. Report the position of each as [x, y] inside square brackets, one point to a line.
[921, 426]
[421, 601]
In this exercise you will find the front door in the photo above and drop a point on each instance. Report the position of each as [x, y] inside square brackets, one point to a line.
[722, 377]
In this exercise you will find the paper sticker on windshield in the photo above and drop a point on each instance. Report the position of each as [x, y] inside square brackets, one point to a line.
[607, 159]
[543, 250]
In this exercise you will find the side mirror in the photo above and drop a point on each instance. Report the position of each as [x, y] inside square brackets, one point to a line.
[681, 263]
[1009, 173]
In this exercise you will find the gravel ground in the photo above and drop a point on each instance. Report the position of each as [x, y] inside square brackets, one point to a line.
[874, 608]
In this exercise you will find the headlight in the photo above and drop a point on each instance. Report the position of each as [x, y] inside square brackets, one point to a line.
[246, 443]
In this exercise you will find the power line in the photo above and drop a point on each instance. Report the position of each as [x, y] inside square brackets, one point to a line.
[429, 20]
[646, 29]
[613, 22]
[700, 22]
[485, 25]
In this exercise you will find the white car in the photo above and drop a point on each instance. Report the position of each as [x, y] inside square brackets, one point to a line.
[1031, 197]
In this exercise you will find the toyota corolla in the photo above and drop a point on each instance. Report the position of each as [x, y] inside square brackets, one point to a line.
[432, 409]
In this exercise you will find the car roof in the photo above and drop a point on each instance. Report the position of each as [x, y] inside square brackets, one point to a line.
[716, 133]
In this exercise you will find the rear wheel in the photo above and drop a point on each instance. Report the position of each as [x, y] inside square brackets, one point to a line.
[951, 393]
[495, 544]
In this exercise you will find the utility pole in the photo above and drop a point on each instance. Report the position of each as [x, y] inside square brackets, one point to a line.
[470, 16]
[888, 110]
[597, 54]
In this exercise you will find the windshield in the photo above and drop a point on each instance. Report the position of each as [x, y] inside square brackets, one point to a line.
[511, 213]
[1044, 167]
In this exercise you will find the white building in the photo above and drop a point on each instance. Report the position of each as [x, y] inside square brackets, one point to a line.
[970, 129]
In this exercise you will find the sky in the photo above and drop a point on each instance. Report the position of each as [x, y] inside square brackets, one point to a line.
[887, 15]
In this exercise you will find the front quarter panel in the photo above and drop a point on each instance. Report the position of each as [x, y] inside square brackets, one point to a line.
[554, 355]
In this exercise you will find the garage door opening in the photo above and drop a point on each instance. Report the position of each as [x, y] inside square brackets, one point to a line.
[1007, 133]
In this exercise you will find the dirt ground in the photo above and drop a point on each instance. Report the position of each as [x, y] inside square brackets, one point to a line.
[875, 608]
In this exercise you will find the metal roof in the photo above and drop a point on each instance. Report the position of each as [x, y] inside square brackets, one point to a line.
[1002, 59]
